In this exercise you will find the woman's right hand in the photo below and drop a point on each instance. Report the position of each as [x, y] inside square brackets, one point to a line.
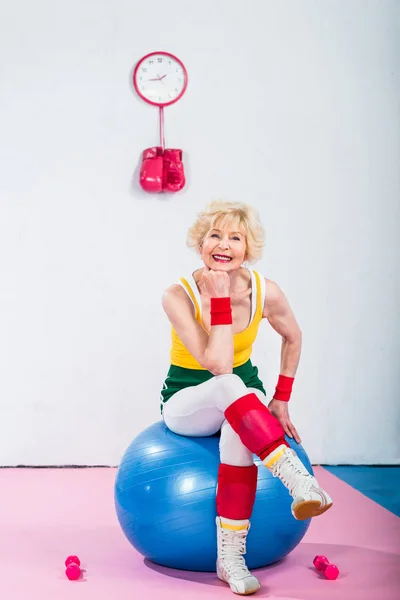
[216, 283]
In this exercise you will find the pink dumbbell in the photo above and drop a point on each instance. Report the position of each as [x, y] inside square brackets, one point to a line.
[321, 563]
[73, 570]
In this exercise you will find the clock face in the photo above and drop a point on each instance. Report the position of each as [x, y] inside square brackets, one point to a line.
[160, 78]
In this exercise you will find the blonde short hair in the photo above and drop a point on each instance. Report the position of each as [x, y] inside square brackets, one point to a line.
[236, 214]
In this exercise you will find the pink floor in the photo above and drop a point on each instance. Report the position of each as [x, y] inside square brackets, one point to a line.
[46, 514]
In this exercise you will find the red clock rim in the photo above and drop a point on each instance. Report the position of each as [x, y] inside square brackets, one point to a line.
[160, 103]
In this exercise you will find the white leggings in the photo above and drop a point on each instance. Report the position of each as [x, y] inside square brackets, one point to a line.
[198, 411]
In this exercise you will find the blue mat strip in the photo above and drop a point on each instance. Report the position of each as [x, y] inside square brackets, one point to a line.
[381, 484]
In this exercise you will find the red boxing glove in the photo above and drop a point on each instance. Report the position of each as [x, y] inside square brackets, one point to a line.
[151, 171]
[173, 174]
[220, 311]
[283, 388]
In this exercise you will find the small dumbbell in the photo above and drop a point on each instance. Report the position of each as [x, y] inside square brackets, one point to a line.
[73, 570]
[321, 563]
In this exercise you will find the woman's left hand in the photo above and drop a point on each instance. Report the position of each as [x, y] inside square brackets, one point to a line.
[280, 410]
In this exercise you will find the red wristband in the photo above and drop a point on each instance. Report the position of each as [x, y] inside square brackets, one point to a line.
[283, 388]
[220, 311]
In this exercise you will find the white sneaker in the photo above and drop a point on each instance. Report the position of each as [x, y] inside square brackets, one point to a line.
[231, 566]
[309, 500]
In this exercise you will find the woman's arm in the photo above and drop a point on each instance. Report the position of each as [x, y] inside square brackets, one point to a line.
[214, 352]
[280, 316]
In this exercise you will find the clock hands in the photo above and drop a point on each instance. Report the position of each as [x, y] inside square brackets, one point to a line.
[158, 78]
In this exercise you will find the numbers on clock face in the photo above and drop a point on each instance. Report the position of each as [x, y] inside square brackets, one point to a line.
[160, 79]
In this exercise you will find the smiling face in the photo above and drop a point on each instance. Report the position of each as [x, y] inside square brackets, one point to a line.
[224, 247]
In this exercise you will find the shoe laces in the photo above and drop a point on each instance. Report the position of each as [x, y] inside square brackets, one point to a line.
[293, 474]
[233, 546]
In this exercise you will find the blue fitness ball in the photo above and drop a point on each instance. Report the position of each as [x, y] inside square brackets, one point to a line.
[165, 501]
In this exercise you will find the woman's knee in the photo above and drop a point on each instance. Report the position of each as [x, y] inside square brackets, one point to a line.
[230, 388]
[260, 395]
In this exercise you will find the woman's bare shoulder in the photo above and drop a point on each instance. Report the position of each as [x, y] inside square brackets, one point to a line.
[175, 296]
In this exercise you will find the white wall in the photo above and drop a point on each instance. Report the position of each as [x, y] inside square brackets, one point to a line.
[293, 107]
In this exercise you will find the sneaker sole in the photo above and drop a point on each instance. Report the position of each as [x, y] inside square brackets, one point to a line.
[241, 593]
[234, 591]
[245, 593]
[310, 509]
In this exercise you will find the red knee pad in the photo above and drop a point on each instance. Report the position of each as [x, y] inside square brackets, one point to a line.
[236, 491]
[257, 428]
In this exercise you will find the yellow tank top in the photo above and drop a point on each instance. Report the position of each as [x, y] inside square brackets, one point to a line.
[242, 341]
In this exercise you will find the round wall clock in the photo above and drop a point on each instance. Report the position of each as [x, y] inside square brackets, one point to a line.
[160, 78]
